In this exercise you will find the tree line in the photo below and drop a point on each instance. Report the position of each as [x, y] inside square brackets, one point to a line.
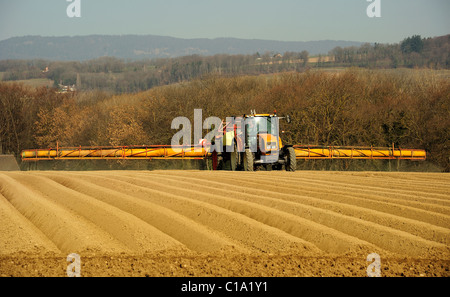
[120, 76]
[412, 52]
[353, 108]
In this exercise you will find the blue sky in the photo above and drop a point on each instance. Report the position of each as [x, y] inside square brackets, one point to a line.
[287, 20]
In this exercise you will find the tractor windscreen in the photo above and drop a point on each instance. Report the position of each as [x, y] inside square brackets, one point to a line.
[259, 125]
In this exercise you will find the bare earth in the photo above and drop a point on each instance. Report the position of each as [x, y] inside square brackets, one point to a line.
[203, 223]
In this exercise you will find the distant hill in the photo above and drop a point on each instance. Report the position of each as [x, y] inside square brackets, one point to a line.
[137, 47]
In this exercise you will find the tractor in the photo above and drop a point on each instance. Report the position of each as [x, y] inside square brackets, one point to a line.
[253, 141]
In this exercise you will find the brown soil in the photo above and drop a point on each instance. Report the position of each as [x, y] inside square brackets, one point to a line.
[202, 223]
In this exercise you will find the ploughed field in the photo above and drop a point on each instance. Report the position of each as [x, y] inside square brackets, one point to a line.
[204, 223]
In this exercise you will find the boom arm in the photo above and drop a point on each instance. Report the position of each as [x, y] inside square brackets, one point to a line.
[199, 152]
[115, 153]
[330, 152]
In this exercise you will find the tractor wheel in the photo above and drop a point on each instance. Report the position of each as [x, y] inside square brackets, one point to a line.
[233, 160]
[248, 161]
[291, 163]
[227, 162]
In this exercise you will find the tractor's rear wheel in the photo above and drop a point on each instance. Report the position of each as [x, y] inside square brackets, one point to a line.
[229, 161]
[291, 162]
[248, 160]
[233, 160]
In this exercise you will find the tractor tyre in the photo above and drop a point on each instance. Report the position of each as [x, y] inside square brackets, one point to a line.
[248, 160]
[233, 161]
[291, 164]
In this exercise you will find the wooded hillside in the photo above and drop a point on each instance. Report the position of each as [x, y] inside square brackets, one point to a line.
[126, 76]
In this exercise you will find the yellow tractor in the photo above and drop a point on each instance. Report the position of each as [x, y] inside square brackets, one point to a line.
[253, 141]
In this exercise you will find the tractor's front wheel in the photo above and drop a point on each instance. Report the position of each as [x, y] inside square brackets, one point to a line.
[291, 161]
[249, 160]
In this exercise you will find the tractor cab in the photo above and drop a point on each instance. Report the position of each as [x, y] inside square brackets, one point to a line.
[262, 136]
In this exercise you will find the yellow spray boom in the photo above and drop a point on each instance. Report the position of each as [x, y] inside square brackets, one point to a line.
[320, 152]
[198, 153]
[115, 153]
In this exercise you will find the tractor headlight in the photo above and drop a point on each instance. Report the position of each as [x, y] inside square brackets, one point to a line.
[271, 145]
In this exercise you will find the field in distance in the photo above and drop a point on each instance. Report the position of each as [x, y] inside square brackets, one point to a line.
[203, 223]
